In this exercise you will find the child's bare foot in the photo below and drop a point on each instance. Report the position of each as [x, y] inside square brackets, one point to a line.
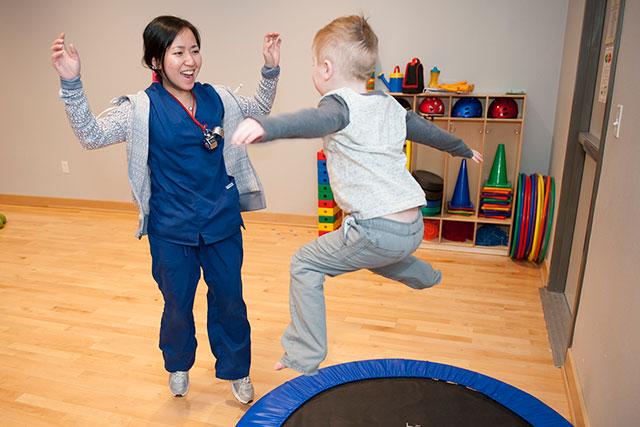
[278, 366]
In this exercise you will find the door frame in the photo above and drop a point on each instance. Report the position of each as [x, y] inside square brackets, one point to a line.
[579, 145]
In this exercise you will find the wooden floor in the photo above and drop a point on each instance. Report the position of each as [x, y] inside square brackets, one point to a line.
[79, 320]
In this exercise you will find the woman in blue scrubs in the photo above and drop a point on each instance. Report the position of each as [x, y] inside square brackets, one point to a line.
[189, 187]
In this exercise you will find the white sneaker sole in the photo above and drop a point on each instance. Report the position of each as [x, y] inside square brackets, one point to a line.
[244, 402]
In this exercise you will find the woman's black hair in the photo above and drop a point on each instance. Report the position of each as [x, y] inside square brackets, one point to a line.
[158, 36]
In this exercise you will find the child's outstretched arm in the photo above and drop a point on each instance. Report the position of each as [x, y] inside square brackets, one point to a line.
[477, 157]
[331, 115]
[248, 131]
[425, 132]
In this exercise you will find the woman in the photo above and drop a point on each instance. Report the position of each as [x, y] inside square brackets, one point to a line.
[189, 187]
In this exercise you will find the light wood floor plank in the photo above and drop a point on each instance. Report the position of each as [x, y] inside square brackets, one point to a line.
[80, 312]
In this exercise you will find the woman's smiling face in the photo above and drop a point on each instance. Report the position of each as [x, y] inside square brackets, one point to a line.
[182, 62]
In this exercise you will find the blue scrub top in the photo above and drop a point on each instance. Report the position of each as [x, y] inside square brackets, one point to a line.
[191, 193]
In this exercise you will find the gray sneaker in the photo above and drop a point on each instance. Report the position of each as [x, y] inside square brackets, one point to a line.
[179, 383]
[242, 389]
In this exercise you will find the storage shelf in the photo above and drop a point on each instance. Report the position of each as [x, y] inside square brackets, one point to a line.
[487, 250]
[503, 120]
[466, 119]
[482, 134]
[450, 217]
[485, 220]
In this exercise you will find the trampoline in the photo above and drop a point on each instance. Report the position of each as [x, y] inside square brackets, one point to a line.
[398, 392]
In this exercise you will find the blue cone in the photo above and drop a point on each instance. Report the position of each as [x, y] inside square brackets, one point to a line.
[461, 193]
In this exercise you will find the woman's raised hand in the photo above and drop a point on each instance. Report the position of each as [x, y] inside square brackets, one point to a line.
[271, 49]
[66, 63]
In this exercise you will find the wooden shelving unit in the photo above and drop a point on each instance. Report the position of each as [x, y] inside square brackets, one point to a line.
[482, 134]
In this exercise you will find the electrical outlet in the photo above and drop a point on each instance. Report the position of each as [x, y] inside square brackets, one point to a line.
[65, 166]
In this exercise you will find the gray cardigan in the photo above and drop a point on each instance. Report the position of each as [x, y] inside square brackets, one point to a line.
[129, 121]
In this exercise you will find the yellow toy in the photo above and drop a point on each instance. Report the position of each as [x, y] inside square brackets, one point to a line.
[333, 211]
[457, 87]
[435, 73]
[449, 87]
[327, 226]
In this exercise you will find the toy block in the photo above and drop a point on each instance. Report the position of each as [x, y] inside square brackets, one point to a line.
[330, 219]
[321, 155]
[329, 226]
[325, 196]
[322, 164]
[323, 180]
[325, 192]
[321, 232]
[329, 211]
[327, 203]
[322, 172]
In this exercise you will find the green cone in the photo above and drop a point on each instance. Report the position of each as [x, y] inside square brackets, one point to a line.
[498, 177]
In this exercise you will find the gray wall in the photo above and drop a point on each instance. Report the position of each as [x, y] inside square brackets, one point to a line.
[497, 44]
[607, 342]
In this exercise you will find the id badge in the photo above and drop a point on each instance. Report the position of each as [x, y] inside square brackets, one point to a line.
[212, 137]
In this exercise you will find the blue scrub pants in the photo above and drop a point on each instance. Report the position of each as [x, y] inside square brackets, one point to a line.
[176, 269]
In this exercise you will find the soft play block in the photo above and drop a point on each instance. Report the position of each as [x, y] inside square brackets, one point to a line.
[327, 203]
[329, 226]
[325, 196]
[324, 192]
[328, 211]
[330, 219]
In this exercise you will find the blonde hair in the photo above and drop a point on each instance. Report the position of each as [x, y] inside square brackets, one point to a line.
[350, 43]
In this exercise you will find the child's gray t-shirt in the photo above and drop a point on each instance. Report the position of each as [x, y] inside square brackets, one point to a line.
[363, 139]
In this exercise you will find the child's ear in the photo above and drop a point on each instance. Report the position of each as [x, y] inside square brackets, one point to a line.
[328, 69]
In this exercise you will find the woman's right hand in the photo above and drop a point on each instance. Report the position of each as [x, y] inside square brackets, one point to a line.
[66, 63]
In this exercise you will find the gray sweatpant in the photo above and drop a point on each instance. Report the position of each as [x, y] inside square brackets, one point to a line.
[380, 245]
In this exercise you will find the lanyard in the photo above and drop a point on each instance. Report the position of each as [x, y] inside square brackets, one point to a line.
[189, 112]
[211, 137]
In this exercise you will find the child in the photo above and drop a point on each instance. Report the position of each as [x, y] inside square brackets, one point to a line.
[363, 138]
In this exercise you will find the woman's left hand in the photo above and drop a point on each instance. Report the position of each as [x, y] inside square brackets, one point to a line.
[271, 49]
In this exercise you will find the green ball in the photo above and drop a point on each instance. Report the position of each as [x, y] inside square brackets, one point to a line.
[3, 218]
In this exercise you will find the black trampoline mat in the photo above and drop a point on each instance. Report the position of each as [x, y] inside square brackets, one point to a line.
[402, 402]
